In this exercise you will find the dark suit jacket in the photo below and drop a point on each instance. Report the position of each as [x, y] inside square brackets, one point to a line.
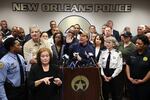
[49, 33]
[116, 35]
[57, 56]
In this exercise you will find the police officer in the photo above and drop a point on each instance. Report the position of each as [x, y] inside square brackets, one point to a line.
[138, 70]
[111, 67]
[12, 72]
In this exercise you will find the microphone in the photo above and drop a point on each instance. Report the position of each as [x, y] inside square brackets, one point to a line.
[75, 54]
[65, 58]
[74, 60]
[91, 55]
[73, 64]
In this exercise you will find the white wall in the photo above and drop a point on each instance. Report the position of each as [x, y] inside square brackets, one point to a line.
[140, 14]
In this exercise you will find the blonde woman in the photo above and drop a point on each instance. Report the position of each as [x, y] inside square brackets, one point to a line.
[111, 66]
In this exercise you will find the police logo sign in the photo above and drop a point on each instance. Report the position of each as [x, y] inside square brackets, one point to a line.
[80, 82]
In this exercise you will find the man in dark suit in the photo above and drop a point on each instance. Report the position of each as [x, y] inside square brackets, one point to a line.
[115, 33]
[52, 25]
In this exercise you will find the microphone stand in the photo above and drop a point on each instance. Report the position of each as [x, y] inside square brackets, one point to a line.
[93, 61]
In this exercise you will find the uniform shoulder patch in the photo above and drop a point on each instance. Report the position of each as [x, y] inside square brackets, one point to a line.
[1, 65]
[145, 58]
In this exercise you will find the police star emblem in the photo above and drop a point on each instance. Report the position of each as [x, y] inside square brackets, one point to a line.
[1, 65]
[80, 82]
[145, 58]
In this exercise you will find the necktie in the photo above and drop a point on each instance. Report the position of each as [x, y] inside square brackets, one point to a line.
[108, 61]
[21, 69]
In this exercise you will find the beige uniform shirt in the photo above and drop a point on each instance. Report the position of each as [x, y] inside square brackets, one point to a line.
[31, 48]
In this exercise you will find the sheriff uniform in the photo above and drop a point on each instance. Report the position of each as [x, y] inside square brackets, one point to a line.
[114, 70]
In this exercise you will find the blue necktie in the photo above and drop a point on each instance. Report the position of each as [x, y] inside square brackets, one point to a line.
[21, 69]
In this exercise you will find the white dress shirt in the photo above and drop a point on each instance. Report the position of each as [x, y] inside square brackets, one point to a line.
[116, 61]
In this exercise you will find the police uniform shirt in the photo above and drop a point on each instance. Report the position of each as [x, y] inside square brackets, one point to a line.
[30, 49]
[139, 64]
[10, 72]
[115, 61]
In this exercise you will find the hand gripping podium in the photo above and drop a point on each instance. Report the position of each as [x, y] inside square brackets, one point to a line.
[81, 83]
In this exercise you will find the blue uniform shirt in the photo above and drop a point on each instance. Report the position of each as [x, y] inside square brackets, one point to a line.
[10, 72]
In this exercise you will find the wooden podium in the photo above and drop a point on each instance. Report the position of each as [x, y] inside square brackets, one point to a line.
[81, 84]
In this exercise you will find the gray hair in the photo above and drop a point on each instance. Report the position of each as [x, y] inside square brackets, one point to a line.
[34, 26]
[113, 40]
